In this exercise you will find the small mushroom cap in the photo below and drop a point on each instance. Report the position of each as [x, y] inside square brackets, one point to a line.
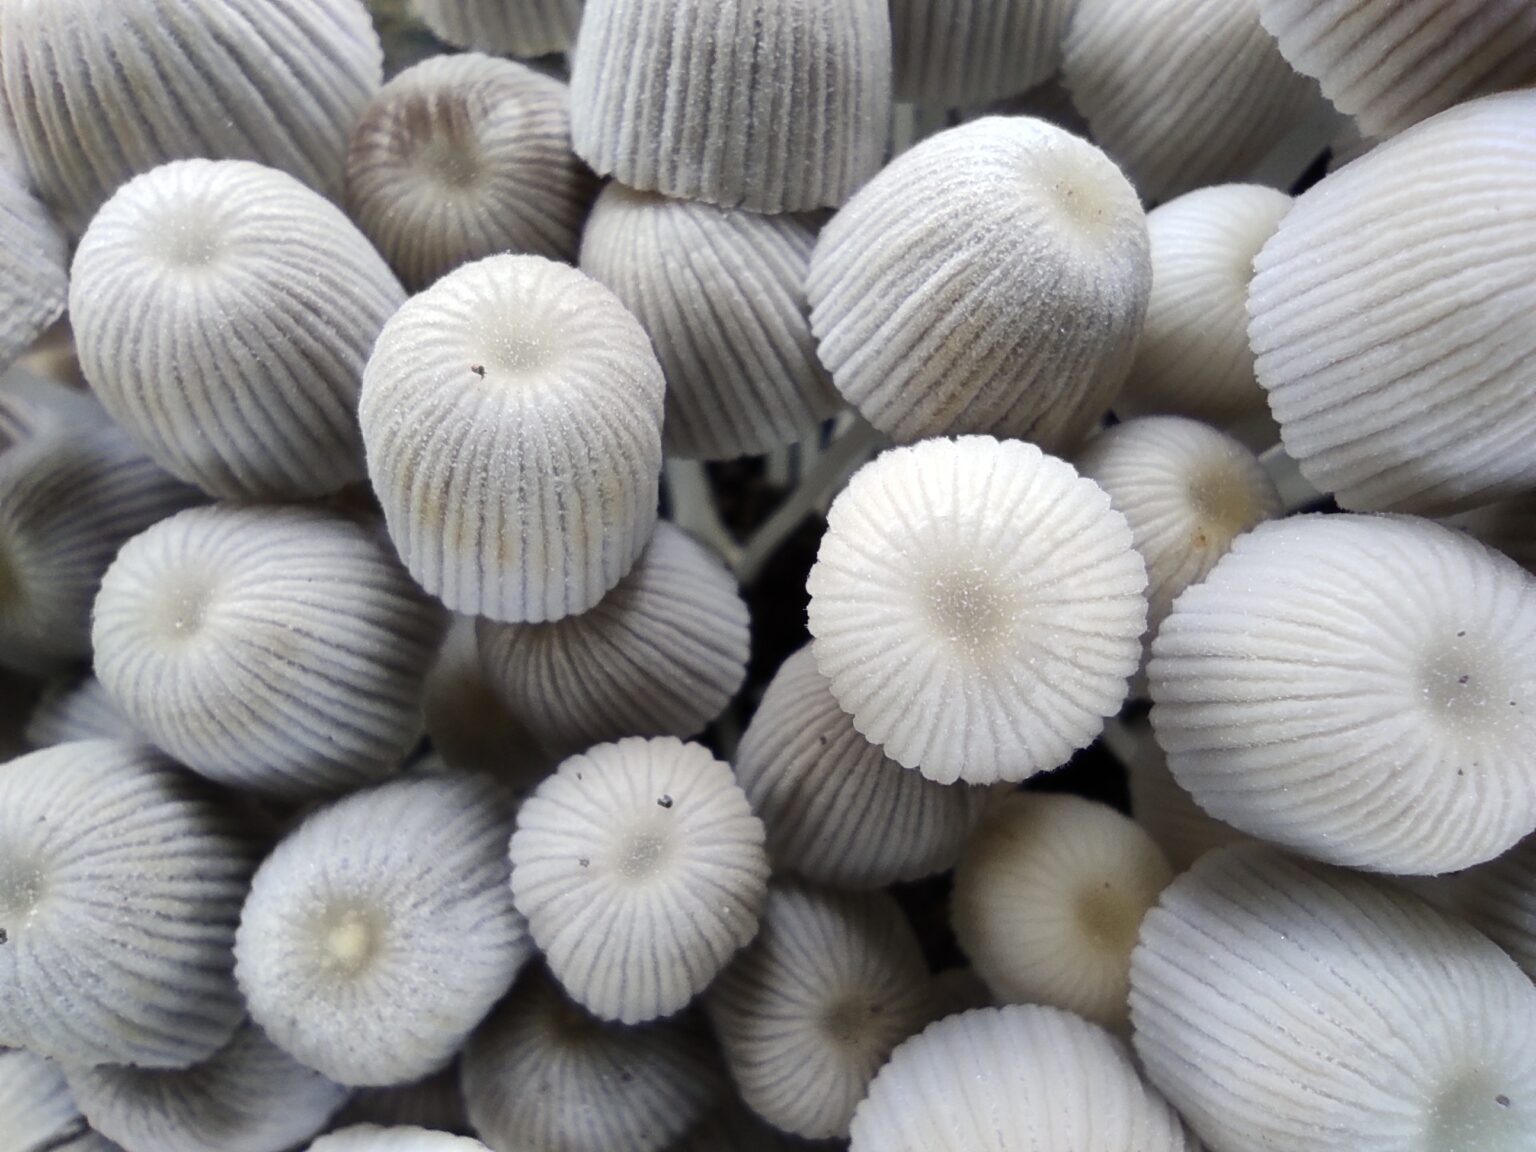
[380, 932]
[1358, 689]
[373, 1138]
[77, 708]
[34, 267]
[977, 607]
[997, 1079]
[1286, 1005]
[950, 53]
[504, 27]
[512, 415]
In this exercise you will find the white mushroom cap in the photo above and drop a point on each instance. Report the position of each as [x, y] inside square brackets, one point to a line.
[1289, 1006]
[978, 608]
[77, 708]
[1380, 316]
[512, 414]
[959, 52]
[1360, 689]
[999, 1079]
[34, 268]
[373, 1138]
[504, 27]
[641, 870]
[992, 279]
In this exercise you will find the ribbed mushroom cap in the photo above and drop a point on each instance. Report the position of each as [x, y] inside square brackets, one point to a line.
[998, 1079]
[462, 157]
[992, 279]
[223, 313]
[34, 267]
[1290, 1006]
[957, 52]
[811, 1010]
[504, 27]
[1193, 358]
[77, 708]
[120, 884]
[662, 654]
[978, 608]
[1201, 98]
[1380, 316]
[544, 1076]
[768, 105]
[373, 1138]
[248, 1097]
[37, 1113]
[272, 648]
[380, 932]
[512, 414]
[1509, 526]
[434, 1102]
[1359, 689]
[722, 294]
[837, 809]
[641, 870]
[1048, 898]
[1392, 63]
[67, 503]
[101, 93]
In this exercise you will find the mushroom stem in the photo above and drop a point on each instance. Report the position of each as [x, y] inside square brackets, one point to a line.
[1295, 489]
[693, 507]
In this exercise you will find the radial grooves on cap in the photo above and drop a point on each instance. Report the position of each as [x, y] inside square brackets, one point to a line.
[837, 810]
[504, 27]
[223, 314]
[768, 105]
[660, 655]
[1287, 1005]
[1392, 63]
[1021, 1076]
[34, 268]
[101, 93]
[462, 157]
[1380, 317]
[512, 414]
[120, 885]
[1203, 97]
[958, 52]
[405, 1138]
[77, 709]
[992, 279]
[37, 1113]
[722, 294]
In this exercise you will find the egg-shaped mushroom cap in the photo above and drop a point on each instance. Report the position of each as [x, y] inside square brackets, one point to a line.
[998, 1079]
[1048, 898]
[512, 414]
[950, 53]
[839, 811]
[1361, 689]
[810, 1011]
[977, 607]
[504, 27]
[545, 1076]
[461, 157]
[405, 1138]
[275, 81]
[77, 708]
[1392, 63]
[36, 1109]
[1286, 1005]
[278, 649]
[661, 654]
[992, 279]
[380, 932]
[249, 1096]
[120, 884]
[641, 870]
[34, 267]
[1380, 311]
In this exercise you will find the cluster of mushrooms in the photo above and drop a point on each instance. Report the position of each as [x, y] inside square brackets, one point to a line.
[391, 759]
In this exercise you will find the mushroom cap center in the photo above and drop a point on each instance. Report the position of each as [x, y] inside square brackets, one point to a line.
[1464, 685]
[969, 608]
[643, 853]
[350, 939]
[1475, 1114]
[1108, 919]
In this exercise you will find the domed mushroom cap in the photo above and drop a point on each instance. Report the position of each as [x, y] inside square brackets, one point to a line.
[120, 884]
[992, 279]
[837, 809]
[34, 267]
[278, 649]
[223, 313]
[373, 1138]
[512, 414]
[1193, 358]
[380, 932]
[722, 294]
[462, 157]
[1286, 1005]
[77, 708]
[504, 27]
[956, 52]
[1381, 323]
[996, 1079]
[977, 607]
[1048, 898]
[809, 1012]
[248, 1097]
[276, 81]
[768, 105]
[641, 870]
[544, 1075]
[662, 654]
[1391, 63]
[1359, 689]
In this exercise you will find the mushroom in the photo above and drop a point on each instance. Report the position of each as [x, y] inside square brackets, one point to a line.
[504, 27]
[950, 53]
